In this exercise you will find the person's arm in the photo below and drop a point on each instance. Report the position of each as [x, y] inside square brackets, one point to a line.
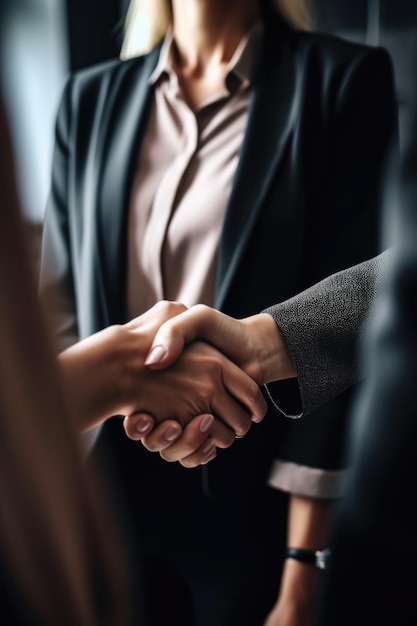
[312, 335]
[308, 525]
[256, 360]
[322, 327]
[105, 375]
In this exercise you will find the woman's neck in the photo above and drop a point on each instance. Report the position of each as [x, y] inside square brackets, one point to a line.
[207, 32]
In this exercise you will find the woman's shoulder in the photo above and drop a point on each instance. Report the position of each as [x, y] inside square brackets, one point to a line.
[100, 81]
[114, 69]
[335, 49]
[325, 55]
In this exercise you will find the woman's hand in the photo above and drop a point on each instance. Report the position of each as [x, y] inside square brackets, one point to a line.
[105, 375]
[191, 445]
[255, 343]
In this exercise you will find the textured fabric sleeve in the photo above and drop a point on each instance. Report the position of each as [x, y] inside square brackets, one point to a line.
[322, 326]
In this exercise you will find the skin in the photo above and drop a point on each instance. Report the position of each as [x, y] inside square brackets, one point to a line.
[255, 344]
[206, 33]
[105, 375]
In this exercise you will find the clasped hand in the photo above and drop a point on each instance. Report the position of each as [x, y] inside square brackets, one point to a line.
[254, 344]
[198, 400]
[187, 381]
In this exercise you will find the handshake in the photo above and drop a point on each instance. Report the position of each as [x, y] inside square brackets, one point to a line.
[187, 381]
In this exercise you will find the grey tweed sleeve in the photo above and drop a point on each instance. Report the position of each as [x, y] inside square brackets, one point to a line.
[324, 326]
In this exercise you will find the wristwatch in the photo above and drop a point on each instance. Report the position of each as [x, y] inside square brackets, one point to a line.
[318, 558]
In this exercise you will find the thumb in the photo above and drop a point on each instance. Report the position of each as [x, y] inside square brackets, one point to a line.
[174, 334]
[166, 347]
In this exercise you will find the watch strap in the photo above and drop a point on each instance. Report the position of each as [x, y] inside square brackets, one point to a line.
[317, 558]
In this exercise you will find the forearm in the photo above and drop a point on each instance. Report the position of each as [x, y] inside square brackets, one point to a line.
[96, 374]
[308, 523]
[105, 375]
[322, 329]
[308, 527]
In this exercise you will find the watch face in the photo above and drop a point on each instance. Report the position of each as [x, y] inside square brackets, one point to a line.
[322, 558]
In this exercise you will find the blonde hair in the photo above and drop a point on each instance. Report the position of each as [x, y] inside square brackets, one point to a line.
[297, 13]
[146, 23]
[148, 20]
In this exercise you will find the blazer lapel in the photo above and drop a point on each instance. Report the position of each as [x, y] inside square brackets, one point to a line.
[273, 110]
[122, 129]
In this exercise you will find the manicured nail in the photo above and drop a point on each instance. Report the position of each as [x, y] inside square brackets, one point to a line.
[172, 433]
[155, 355]
[206, 423]
[143, 425]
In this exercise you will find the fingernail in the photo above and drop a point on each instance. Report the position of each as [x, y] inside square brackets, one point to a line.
[172, 433]
[206, 423]
[143, 425]
[155, 355]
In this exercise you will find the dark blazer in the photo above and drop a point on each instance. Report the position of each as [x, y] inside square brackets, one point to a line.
[305, 203]
[373, 576]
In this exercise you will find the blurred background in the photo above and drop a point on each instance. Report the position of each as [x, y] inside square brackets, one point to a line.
[45, 40]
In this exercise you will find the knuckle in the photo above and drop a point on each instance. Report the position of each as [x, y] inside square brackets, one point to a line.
[226, 440]
[174, 308]
[200, 308]
[256, 399]
[243, 429]
[170, 307]
[254, 393]
[204, 391]
[162, 305]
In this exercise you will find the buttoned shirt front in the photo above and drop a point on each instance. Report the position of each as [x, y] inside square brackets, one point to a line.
[184, 175]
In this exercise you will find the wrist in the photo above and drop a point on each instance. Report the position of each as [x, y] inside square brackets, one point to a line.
[316, 558]
[273, 356]
[125, 355]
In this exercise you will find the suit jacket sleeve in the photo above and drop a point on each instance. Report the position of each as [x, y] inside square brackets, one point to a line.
[322, 327]
[342, 229]
[57, 288]
[321, 216]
